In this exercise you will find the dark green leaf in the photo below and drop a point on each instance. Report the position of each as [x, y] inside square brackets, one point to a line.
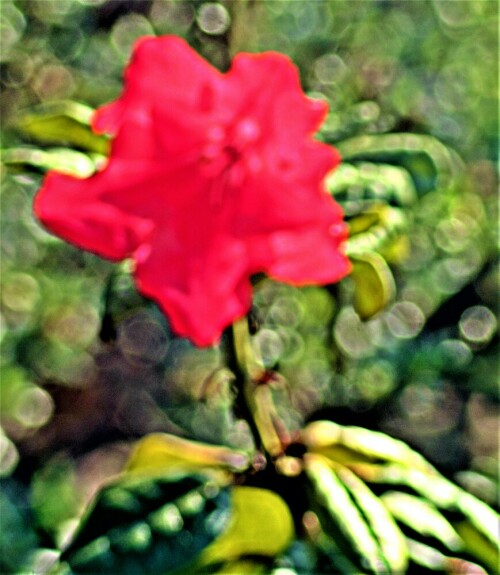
[148, 525]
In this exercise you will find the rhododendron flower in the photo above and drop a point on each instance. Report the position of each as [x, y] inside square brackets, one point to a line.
[212, 177]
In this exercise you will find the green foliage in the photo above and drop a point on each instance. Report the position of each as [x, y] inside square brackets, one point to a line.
[163, 452]
[64, 160]
[18, 539]
[54, 495]
[407, 344]
[170, 523]
[342, 458]
[374, 286]
[153, 524]
[62, 122]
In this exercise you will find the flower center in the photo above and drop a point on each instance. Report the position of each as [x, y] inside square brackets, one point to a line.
[226, 155]
[230, 144]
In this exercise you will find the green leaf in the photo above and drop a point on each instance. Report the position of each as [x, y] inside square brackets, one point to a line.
[389, 536]
[62, 122]
[374, 285]
[425, 555]
[320, 436]
[354, 185]
[431, 558]
[375, 229]
[334, 497]
[483, 517]
[478, 545]
[482, 521]
[241, 567]
[18, 538]
[261, 525]
[447, 495]
[162, 451]
[326, 546]
[430, 163]
[54, 497]
[61, 159]
[422, 517]
[148, 526]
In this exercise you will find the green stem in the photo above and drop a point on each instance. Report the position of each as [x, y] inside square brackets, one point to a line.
[255, 390]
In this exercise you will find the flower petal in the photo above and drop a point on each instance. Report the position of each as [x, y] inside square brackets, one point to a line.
[72, 209]
[201, 294]
[294, 232]
[273, 92]
[163, 72]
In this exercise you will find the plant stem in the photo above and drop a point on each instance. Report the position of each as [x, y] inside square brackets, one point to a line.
[255, 391]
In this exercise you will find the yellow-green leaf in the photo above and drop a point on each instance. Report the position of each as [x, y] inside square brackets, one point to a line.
[343, 511]
[64, 122]
[483, 517]
[422, 517]
[389, 536]
[319, 436]
[261, 525]
[439, 490]
[241, 567]
[61, 159]
[374, 285]
[159, 451]
[479, 546]
[429, 162]
[375, 228]
[365, 181]
[431, 558]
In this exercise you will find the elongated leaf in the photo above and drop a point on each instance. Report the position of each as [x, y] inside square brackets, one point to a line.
[483, 517]
[327, 546]
[389, 536]
[431, 558]
[426, 482]
[372, 445]
[430, 163]
[425, 555]
[355, 183]
[455, 566]
[422, 517]
[61, 159]
[62, 122]
[261, 525]
[375, 229]
[442, 493]
[343, 511]
[162, 451]
[374, 283]
[242, 567]
[478, 545]
[148, 526]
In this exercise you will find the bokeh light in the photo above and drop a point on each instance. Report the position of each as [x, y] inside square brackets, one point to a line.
[213, 18]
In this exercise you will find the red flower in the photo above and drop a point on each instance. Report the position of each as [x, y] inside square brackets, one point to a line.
[212, 178]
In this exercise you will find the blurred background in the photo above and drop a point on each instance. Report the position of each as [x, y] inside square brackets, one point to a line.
[87, 365]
